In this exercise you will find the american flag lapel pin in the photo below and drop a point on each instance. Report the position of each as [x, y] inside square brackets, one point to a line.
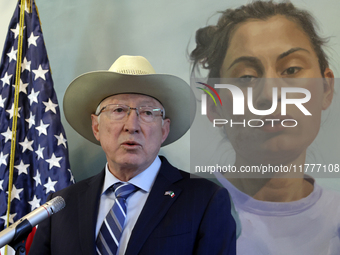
[170, 193]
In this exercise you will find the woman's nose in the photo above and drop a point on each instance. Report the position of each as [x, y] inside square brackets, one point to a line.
[266, 95]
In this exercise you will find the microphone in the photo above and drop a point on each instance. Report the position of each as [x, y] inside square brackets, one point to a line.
[21, 228]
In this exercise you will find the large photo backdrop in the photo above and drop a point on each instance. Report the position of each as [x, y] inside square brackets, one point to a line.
[83, 36]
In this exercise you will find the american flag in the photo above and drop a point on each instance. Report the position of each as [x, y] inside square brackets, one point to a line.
[41, 163]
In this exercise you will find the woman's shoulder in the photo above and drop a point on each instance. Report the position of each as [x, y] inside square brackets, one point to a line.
[329, 202]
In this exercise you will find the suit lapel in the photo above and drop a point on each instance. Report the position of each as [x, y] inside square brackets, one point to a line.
[156, 206]
[88, 203]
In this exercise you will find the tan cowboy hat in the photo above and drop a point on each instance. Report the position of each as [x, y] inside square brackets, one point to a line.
[129, 74]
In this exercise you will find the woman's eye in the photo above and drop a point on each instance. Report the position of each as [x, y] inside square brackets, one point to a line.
[247, 77]
[291, 70]
[246, 80]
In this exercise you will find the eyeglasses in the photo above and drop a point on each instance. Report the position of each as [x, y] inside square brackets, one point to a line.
[120, 111]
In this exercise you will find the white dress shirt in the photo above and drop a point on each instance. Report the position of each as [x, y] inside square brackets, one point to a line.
[134, 203]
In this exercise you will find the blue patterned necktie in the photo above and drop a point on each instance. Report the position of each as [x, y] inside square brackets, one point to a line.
[112, 227]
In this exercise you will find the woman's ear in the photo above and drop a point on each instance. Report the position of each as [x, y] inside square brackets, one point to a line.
[328, 88]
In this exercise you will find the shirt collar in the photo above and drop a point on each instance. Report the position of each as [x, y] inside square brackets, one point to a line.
[144, 180]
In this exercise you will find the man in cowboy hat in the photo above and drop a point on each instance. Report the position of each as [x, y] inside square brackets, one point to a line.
[139, 203]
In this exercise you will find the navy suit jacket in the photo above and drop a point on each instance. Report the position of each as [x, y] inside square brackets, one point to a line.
[197, 220]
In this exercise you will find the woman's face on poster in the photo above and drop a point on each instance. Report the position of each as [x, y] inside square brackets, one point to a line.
[279, 52]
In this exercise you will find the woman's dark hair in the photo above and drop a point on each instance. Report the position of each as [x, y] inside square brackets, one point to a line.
[212, 42]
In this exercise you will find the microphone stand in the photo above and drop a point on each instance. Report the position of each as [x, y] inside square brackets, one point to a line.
[18, 242]
[20, 248]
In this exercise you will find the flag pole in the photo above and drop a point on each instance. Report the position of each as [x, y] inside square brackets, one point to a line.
[15, 110]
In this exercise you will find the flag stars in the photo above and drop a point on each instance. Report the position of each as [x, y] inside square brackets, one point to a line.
[2, 102]
[33, 97]
[32, 40]
[11, 112]
[7, 135]
[26, 145]
[1, 184]
[12, 55]
[50, 106]
[22, 87]
[26, 8]
[35, 203]
[3, 159]
[26, 65]
[42, 128]
[30, 120]
[72, 177]
[6, 78]
[22, 168]
[49, 185]
[37, 179]
[61, 140]
[11, 218]
[39, 152]
[15, 193]
[40, 73]
[16, 30]
[53, 161]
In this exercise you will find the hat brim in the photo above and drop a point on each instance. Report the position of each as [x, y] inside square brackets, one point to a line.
[85, 93]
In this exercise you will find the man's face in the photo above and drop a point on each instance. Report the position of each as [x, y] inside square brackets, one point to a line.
[274, 49]
[130, 143]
